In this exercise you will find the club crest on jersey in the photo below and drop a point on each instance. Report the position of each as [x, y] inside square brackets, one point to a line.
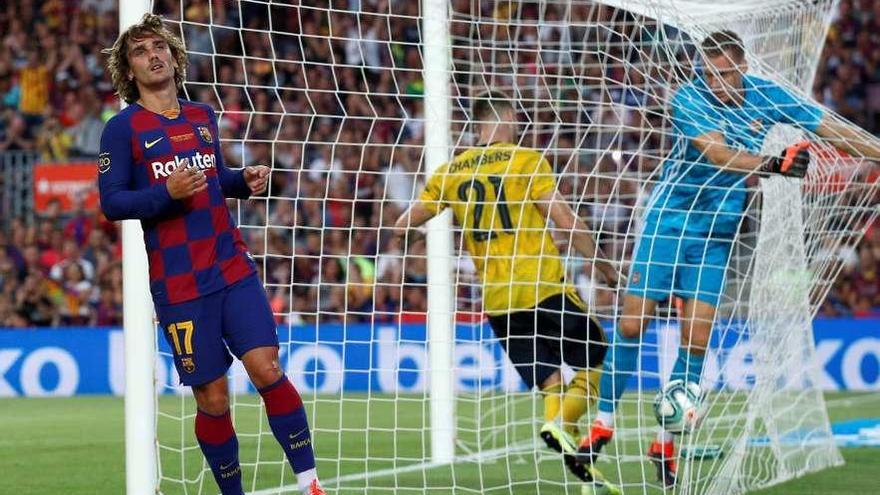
[103, 162]
[636, 276]
[187, 364]
[206, 134]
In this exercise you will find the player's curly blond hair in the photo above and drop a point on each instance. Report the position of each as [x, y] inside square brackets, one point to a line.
[117, 61]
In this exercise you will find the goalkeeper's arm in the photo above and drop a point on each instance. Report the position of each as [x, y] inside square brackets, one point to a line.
[552, 205]
[793, 161]
[849, 138]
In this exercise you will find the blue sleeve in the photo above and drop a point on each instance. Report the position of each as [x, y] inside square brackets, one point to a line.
[231, 181]
[119, 201]
[692, 115]
[789, 108]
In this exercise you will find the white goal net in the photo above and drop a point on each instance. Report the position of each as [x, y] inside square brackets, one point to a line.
[331, 94]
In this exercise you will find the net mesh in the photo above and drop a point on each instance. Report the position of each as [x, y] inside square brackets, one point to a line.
[330, 94]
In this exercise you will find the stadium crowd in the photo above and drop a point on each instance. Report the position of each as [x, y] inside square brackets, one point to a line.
[338, 153]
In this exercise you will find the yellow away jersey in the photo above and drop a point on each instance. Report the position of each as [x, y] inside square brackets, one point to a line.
[493, 192]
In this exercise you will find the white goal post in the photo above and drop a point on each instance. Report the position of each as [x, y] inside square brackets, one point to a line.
[139, 330]
[441, 305]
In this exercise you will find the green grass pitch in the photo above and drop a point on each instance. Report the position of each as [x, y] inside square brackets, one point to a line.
[75, 446]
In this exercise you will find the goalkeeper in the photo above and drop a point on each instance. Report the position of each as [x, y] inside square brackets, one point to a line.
[719, 122]
[501, 195]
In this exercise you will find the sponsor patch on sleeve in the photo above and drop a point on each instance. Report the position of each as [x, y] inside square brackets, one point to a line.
[103, 162]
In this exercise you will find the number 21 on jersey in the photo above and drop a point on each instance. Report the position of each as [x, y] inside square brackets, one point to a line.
[478, 231]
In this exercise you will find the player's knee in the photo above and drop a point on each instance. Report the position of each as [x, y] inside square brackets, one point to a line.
[695, 338]
[554, 379]
[631, 328]
[266, 374]
[213, 402]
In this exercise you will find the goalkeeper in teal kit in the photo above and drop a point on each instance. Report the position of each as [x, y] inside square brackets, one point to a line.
[719, 122]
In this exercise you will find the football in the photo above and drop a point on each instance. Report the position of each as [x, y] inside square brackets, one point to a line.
[678, 406]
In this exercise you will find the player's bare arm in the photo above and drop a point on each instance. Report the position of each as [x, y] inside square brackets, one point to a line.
[849, 138]
[793, 161]
[553, 206]
[715, 148]
[415, 216]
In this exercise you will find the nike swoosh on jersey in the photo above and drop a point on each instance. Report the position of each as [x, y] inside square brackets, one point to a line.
[224, 468]
[150, 144]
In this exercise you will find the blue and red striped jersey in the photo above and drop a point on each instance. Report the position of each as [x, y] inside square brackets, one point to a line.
[193, 245]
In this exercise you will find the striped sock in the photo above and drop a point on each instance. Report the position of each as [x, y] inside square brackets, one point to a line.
[287, 419]
[220, 446]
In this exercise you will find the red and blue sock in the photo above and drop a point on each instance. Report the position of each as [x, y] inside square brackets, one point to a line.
[220, 446]
[287, 418]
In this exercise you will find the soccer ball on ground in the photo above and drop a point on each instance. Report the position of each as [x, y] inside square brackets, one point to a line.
[678, 407]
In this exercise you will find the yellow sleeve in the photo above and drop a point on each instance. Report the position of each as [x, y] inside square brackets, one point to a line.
[432, 196]
[543, 179]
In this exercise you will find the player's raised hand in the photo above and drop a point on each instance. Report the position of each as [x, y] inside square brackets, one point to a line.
[186, 181]
[257, 177]
[793, 162]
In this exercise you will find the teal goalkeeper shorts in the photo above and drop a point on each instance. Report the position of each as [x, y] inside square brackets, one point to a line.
[688, 267]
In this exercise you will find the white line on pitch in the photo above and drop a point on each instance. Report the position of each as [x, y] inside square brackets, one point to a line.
[852, 400]
[495, 452]
[405, 469]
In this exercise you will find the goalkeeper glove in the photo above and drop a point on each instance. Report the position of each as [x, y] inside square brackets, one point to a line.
[793, 163]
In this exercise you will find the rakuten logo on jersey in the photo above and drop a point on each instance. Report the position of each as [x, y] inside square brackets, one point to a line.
[164, 169]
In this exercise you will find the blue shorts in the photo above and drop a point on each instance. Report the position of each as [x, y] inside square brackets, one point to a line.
[688, 267]
[202, 331]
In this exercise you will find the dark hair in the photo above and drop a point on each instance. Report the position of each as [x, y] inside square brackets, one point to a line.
[723, 43]
[489, 104]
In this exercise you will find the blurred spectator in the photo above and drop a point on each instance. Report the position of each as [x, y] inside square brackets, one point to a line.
[34, 80]
[53, 141]
[75, 309]
[87, 132]
[108, 310]
[14, 133]
[848, 79]
[37, 301]
[80, 223]
[53, 76]
[71, 256]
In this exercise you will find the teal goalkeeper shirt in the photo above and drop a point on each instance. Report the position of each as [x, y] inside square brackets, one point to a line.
[694, 196]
